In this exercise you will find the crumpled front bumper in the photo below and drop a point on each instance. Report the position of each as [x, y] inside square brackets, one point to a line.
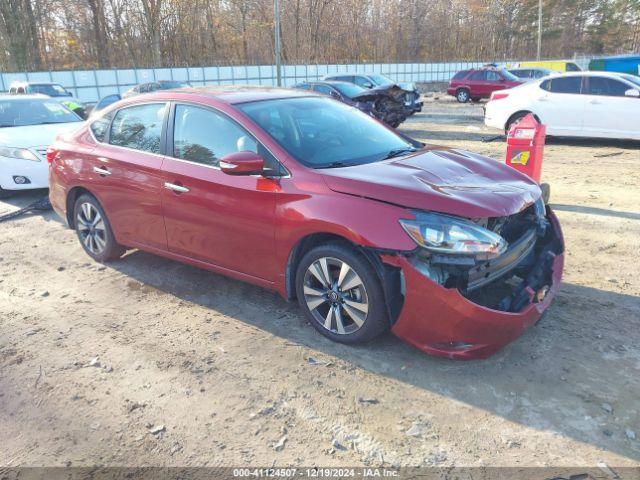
[441, 321]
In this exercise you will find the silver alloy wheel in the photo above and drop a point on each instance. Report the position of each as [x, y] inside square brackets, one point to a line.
[91, 228]
[463, 96]
[335, 295]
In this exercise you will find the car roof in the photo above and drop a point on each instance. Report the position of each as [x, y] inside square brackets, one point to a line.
[588, 73]
[24, 98]
[231, 94]
[18, 82]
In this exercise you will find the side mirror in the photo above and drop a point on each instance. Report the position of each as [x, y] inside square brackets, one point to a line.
[367, 85]
[334, 94]
[242, 163]
[632, 92]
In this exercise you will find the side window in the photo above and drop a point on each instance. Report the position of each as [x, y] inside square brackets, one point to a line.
[345, 78]
[546, 85]
[606, 87]
[478, 76]
[21, 90]
[322, 89]
[304, 86]
[139, 127]
[572, 67]
[460, 75]
[566, 85]
[493, 76]
[100, 126]
[204, 136]
[363, 82]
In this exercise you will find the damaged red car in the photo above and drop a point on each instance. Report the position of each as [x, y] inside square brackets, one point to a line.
[368, 229]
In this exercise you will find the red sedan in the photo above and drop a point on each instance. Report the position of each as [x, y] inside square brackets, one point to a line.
[476, 84]
[368, 229]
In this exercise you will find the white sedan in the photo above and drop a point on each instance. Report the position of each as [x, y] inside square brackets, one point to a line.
[28, 125]
[581, 104]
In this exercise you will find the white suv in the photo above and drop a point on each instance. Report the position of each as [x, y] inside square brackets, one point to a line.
[584, 104]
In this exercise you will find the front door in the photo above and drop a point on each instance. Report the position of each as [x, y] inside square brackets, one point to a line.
[225, 220]
[608, 112]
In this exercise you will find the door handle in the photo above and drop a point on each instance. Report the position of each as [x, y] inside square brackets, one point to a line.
[101, 171]
[595, 102]
[175, 188]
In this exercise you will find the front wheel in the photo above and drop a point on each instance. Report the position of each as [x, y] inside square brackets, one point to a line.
[341, 295]
[94, 231]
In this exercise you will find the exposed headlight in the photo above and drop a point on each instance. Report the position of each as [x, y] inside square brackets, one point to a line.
[19, 153]
[446, 234]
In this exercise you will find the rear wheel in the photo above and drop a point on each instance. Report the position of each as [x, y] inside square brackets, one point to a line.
[514, 120]
[463, 95]
[340, 294]
[94, 231]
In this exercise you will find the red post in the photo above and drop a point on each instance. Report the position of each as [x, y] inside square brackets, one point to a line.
[525, 146]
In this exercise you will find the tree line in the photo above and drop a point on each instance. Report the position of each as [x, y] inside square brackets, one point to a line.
[74, 34]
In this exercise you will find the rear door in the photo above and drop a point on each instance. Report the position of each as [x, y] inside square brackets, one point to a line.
[225, 220]
[126, 174]
[477, 83]
[608, 112]
[560, 105]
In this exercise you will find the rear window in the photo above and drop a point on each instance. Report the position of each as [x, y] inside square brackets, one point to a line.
[563, 85]
[138, 127]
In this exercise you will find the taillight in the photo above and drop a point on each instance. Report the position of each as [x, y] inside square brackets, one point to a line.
[498, 96]
[52, 153]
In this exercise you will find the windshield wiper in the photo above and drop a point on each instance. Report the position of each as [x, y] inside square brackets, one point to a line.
[336, 165]
[398, 152]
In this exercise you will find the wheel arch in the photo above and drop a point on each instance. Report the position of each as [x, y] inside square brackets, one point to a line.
[70, 201]
[519, 112]
[388, 275]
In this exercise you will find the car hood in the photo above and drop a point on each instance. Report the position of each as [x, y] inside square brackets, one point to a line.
[394, 91]
[35, 135]
[439, 179]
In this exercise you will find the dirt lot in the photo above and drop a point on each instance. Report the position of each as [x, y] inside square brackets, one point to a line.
[94, 359]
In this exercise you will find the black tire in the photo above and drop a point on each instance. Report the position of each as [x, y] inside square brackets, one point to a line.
[5, 193]
[110, 248]
[463, 95]
[376, 321]
[514, 119]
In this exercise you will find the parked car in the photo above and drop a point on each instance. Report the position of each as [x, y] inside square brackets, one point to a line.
[53, 90]
[585, 104]
[154, 86]
[527, 74]
[370, 230]
[476, 84]
[384, 103]
[373, 80]
[28, 124]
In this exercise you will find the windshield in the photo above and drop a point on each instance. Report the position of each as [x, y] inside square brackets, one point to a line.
[321, 133]
[381, 80]
[51, 90]
[348, 89]
[633, 79]
[18, 113]
[509, 76]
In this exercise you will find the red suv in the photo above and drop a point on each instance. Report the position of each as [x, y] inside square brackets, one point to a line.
[299, 193]
[476, 84]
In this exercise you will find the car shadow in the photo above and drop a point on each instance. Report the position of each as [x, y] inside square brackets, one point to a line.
[583, 354]
[22, 199]
[595, 211]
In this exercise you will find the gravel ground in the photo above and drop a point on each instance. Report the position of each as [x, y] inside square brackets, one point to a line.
[149, 362]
